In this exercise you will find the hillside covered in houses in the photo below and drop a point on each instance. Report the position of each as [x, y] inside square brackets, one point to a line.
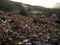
[23, 24]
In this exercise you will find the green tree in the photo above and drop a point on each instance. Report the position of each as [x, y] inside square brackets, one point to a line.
[23, 12]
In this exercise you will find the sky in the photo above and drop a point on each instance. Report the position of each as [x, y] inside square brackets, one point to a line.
[43, 3]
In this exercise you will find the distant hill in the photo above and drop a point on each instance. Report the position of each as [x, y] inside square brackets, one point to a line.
[25, 9]
[7, 5]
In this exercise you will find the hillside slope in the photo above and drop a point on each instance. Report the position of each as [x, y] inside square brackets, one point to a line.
[25, 9]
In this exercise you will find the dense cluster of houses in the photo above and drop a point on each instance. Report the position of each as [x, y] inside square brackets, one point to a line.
[29, 30]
